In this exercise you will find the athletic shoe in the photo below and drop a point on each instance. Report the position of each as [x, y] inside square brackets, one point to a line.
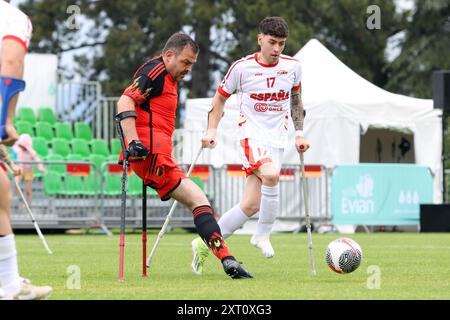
[31, 292]
[201, 252]
[234, 269]
[264, 244]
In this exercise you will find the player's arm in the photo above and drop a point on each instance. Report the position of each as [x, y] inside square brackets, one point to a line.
[13, 56]
[298, 116]
[124, 104]
[214, 116]
[126, 115]
[224, 91]
[12, 64]
[4, 157]
[137, 94]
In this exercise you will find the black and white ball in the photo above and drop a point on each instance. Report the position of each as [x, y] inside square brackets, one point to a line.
[344, 255]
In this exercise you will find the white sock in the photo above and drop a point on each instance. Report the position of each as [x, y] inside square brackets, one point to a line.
[268, 210]
[232, 220]
[9, 269]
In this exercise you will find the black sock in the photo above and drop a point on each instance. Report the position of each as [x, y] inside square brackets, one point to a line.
[209, 231]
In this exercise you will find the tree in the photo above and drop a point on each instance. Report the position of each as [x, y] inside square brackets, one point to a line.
[425, 48]
[343, 30]
[124, 33]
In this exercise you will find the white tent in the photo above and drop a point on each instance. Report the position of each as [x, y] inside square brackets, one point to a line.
[341, 106]
[40, 78]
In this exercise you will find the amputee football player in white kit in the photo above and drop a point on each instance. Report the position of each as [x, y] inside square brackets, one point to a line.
[268, 88]
[15, 33]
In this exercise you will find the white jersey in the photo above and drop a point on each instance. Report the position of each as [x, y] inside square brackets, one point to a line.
[14, 24]
[264, 96]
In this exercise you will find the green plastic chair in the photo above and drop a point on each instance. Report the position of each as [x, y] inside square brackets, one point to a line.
[47, 115]
[113, 157]
[59, 168]
[98, 160]
[112, 184]
[27, 114]
[60, 146]
[40, 145]
[74, 157]
[90, 183]
[83, 131]
[73, 185]
[52, 183]
[44, 130]
[81, 147]
[23, 127]
[134, 185]
[116, 147]
[63, 130]
[100, 146]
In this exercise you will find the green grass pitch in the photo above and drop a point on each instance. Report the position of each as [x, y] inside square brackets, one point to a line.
[410, 265]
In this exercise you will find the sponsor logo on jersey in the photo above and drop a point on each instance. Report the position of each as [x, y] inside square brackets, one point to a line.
[263, 107]
[282, 72]
[270, 96]
[258, 74]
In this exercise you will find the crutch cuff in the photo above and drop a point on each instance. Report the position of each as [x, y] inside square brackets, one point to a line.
[9, 87]
[125, 114]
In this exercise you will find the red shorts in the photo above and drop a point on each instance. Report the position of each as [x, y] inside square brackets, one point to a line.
[160, 172]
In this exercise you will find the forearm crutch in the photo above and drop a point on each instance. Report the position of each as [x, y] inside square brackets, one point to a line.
[33, 220]
[169, 216]
[123, 203]
[144, 229]
[308, 218]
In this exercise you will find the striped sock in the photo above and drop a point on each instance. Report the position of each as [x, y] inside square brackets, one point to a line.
[209, 231]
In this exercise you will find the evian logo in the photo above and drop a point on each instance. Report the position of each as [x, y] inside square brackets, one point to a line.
[359, 199]
[408, 197]
[365, 186]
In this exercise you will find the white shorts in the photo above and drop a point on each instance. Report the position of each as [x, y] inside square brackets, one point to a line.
[254, 153]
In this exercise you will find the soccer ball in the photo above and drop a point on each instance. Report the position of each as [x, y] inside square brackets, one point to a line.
[344, 255]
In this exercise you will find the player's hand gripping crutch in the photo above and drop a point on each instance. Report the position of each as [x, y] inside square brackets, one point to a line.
[33, 220]
[308, 218]
[169, 216]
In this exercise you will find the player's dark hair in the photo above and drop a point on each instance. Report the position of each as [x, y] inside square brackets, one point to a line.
[274, 26]
[178, 41]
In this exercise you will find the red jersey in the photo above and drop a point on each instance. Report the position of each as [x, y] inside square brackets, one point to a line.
[156, 96]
